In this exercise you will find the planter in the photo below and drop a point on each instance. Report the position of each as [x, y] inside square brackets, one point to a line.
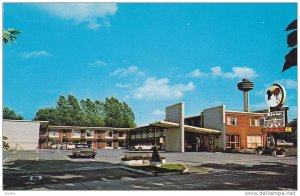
[158, 163]
[132, 162]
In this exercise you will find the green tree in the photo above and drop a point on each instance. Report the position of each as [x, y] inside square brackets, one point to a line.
[62, 110]
[70, 112]
[92, 114]
[47, 114]
[11, 114]
[10, 35]
[117, 114]
[74, 115]
[291, 57]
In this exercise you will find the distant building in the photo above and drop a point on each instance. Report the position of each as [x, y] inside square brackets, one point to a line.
[23, 134]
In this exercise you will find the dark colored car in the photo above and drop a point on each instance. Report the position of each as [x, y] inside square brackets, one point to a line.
[83, 150]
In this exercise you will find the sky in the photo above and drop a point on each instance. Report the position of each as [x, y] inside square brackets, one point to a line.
[148, 55]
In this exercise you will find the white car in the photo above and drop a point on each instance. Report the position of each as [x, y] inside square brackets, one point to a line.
[283, 143]
[142, 147]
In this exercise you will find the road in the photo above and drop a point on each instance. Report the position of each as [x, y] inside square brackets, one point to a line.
[56, 170]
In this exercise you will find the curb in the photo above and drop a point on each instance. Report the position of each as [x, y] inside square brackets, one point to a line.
[185, 171]
[137, 171]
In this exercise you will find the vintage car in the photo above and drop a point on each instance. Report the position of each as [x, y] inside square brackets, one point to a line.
[283, 143]
[145, 146]
[83, 150]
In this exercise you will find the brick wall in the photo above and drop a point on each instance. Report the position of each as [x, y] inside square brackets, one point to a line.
[243, 127]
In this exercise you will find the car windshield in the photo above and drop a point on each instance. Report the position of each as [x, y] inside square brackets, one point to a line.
[82, 146]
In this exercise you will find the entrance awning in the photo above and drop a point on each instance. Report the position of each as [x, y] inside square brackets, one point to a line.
[200, 130]
[165, 124]
[189, 128]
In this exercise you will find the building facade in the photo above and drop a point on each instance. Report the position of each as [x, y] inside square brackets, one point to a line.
[97, 137]
[213, 129]
[23, 134]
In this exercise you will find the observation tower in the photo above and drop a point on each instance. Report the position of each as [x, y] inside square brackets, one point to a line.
[245, 85]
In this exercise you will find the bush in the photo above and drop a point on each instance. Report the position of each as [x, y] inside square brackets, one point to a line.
[136, 157]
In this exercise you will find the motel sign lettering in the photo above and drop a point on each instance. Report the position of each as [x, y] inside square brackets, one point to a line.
[274, 119]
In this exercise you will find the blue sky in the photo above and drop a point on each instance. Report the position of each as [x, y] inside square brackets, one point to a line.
[149, 55]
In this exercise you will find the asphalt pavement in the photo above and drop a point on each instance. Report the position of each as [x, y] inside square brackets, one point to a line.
[57, 170]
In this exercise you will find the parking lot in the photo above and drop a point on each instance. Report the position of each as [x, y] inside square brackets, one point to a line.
[57, 170]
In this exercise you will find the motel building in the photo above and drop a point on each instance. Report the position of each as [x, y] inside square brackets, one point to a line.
[213, 129]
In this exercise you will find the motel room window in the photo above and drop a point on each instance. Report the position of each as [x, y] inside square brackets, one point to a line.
[232, 141]
[76, 133]
[89, 133]
[122, 144]
[232, 120]
[108, 143]
[253, 141]
[108, 133]
[54, 133]
[254, 121]
[121, 134]
[132, 136]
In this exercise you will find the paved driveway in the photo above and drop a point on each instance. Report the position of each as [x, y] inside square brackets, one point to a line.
[55, 170]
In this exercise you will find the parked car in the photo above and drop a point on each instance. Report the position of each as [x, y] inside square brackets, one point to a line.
[283, 143]
[67, 146]
[142, 147]
[83, 150]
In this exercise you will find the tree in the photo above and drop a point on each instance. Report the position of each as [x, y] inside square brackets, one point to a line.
[74, 116]
[62, 110]
[117, 114]
[11, 114]
[10, 35]
[92, 114]
[291, 57]
[47, 114]
[70, 112]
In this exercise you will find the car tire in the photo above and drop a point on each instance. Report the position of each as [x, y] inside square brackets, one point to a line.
[140, 148]
[93, 156]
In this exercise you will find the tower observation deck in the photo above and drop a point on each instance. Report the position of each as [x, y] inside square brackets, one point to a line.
[245, 85]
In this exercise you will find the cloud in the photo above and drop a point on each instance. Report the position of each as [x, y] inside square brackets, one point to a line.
[98, 63]
[196, 74]
[158, 113]
[33, 54]
[122, 72]
[123, 85]
[287, 83]
[82, 12]
[158, 89]
[237, 72]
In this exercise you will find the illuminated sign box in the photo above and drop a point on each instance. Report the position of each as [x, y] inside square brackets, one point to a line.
[274, 119]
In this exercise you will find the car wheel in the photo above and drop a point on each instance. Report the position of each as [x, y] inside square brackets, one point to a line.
[140, 148]
[93, 156]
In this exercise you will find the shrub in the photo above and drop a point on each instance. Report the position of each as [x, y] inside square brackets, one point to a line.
[136, 157]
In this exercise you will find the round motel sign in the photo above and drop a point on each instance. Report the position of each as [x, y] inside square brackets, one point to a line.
[275, 96]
